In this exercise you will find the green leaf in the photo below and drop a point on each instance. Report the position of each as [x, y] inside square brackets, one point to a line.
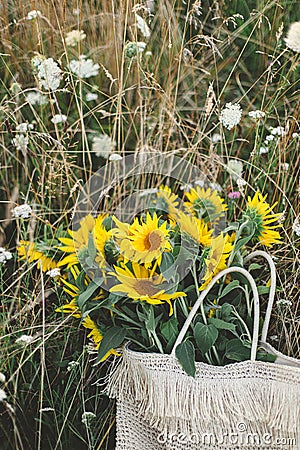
[266, 357]
[205, 336]
[241, 242]
[169, 329]
[221, 324]
[80, 281]
[263, 290]
[150, 320]
[86, 295]
[233, 285]
[254, 266]
[112, 338]
[226, 312]
[237, 351]
[185, 353]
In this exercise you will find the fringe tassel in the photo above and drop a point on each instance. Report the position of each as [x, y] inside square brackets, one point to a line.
[261, 395]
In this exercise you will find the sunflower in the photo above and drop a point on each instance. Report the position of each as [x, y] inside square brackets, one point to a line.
[70, 307]
[196, 228]
[27, 250]
[79, 240]
[205, 204]
[260, 213]
[217, 258]
[96, 336]
[167, 201]
[144, 285]
[74, 291]
[146, 241]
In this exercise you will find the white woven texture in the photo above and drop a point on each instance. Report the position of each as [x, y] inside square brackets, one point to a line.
[160, 407]
[134, 433]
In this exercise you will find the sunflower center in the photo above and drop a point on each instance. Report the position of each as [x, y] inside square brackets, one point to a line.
[153, 241]
[145, 287]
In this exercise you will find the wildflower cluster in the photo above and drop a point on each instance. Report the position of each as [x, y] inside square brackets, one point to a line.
[83, 67]
[138, 280]
[48, 73]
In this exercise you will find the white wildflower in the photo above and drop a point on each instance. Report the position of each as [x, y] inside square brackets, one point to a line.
[235, 168]
[103, 145]
[87, 418]
[295, 135]
[115, 157]
[49, 74]
[84, 68]
[293, 37]
[231, 115]
[241, 183]
[142, 26]
[284, 302]
[24, 127]
[91, 96]
[20, 141]
[263, 150]
[23, 211]
[296, 227]
[285, 166]
[76, 12]
[72, 365]
[269, 138]
[5, 255]
[3, 395]
[36, 98]
[257, 114]
[59, 118]
[278, 131]
[53, 272]
[74, 37]
[2, 377]
[24, 340]
[274, 337]
[36, 61]
[33, 14]
[216, 137]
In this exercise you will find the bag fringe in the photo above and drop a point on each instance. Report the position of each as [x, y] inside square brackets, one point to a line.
[218, 398]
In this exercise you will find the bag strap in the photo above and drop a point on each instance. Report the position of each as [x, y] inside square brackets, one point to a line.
[202, 297]
[272, 290]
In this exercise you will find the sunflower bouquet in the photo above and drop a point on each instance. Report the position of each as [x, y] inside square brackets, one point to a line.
[137, 280]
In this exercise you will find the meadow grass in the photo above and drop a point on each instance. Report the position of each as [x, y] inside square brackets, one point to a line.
[198, 57]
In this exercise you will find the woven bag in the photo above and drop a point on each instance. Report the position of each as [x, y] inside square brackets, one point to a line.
[247, 405]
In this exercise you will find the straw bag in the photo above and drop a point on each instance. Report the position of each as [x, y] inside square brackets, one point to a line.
[246, 405]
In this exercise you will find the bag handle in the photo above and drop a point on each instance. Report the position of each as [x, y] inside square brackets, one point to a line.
[206, 291]
[272, 290]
